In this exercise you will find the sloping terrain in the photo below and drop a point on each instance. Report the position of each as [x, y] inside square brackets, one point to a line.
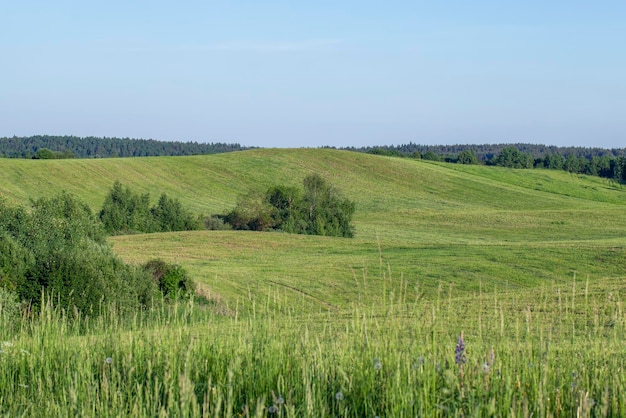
[420, 226]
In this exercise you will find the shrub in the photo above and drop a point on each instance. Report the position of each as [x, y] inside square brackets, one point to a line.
[124, 211]
[318, 210]
[216, 223]
[169, 215]
[59, 246]
[172, 280]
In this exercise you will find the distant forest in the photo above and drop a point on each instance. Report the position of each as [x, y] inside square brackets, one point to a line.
[608, 163]
[48, 147]
[488, 152]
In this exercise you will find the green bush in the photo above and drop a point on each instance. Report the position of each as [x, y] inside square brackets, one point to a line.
[216, 223]
[172, 280]
[169, 215]
[59, 247]
[124, 211]
[317, 210]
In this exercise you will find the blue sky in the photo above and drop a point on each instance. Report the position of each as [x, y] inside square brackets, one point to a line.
[308, 74]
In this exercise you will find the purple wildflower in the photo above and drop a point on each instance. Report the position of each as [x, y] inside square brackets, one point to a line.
[459, 352]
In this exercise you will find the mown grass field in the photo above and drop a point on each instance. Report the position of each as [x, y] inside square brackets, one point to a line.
[529, 263]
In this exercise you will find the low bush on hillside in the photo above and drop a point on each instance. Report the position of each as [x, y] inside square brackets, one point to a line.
[58, 246]
[125, 211]
[172, 280]
[318, 209]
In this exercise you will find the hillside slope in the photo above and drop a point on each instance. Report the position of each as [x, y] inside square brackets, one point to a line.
[417, 223]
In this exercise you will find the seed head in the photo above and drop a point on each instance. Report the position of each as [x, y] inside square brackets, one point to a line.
[339, 396]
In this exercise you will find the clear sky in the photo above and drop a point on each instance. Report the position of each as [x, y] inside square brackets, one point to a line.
[295, 73]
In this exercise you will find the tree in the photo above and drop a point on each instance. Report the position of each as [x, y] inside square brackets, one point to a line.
[169, 215]
[513, 158]
[467, 157]
[318, 210]
[571, 164]
[44, 154]
[126, 212]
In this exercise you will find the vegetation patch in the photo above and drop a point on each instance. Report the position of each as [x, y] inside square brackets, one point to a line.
[59, 247]
[126, 212]
[318, 209]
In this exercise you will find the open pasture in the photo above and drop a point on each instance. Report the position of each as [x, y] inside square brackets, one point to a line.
[528, 264]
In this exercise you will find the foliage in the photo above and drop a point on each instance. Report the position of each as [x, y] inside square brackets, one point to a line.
[169, 215]
[216, 223]
[173, 280]
[607, 163]
[59, 246]
[10, 309]
[47, 154]
[317, 210]
[513, 158]
[124, 211]
[49, 146]
[467, 157]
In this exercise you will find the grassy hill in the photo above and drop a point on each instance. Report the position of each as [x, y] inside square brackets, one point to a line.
[419, 225]
[527, 265]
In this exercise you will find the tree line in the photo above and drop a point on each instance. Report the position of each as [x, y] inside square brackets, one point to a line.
[600, 162]
[49, 147]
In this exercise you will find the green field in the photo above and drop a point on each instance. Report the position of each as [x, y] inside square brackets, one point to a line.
[531, 263]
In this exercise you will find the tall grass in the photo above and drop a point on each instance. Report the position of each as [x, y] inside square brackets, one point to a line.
[554, 351]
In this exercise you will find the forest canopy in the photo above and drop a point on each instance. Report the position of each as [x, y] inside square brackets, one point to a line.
[50, 146]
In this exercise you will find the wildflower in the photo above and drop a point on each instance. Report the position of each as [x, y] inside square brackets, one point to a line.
[25, 352]
[7, 344]
[459, 352]
[339, 396]
[108, 360]
[272, 409]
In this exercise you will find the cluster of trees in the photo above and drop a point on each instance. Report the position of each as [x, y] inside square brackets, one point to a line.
[125, 211]
[48, 154]
[610, 164]
[486, 152]
[317, 209]
[48, 146]
[59, 246]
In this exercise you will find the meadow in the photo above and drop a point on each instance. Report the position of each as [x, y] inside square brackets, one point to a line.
[528, 265]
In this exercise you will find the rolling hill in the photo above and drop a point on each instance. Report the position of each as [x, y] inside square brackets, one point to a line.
[420, 226]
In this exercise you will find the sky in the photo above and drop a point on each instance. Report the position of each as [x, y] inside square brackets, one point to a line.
[323, 73]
